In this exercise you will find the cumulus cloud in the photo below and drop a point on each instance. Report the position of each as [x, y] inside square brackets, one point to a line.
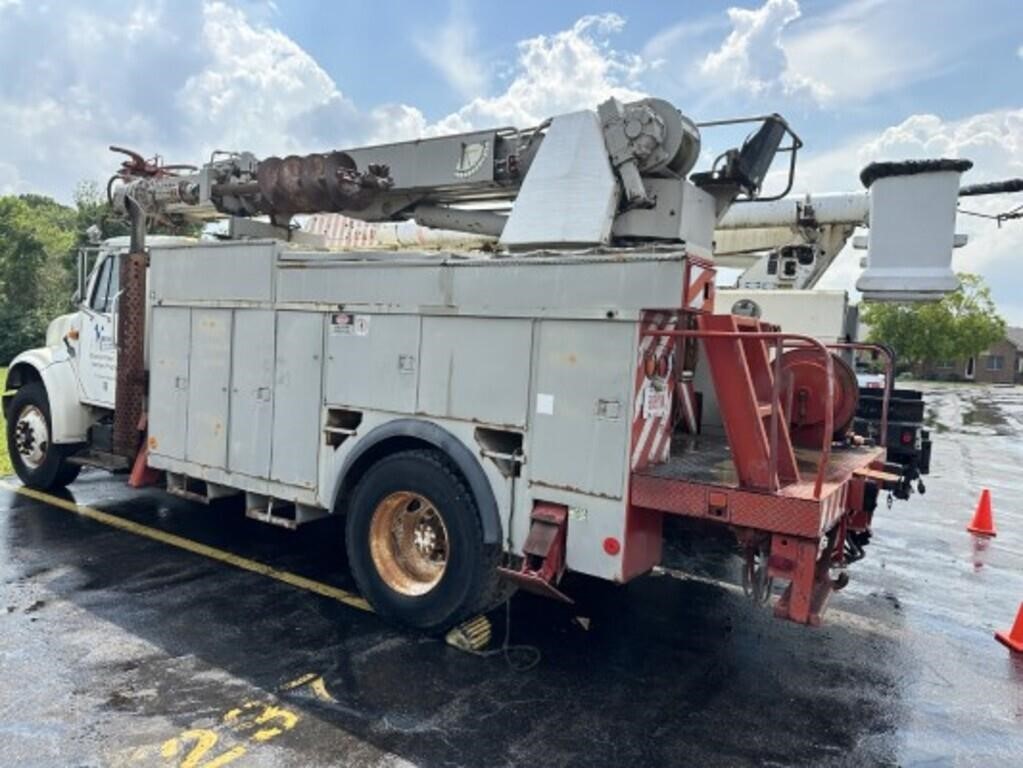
[572, 69]
[76, 79]
[753, 58]
[225, 81]
[397, 122]
[576, 68]
[229, 80]
[253, 85]
[994, 142]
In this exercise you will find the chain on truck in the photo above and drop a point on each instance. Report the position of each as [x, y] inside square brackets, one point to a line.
[482, 419]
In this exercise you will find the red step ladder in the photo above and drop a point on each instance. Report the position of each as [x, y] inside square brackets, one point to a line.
[749, 402]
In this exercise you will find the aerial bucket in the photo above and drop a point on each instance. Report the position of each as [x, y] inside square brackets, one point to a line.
[912, 229]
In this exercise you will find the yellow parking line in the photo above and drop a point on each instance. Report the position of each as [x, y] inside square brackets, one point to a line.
[220, 555]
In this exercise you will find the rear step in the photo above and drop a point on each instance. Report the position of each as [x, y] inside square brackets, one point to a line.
[111, 462]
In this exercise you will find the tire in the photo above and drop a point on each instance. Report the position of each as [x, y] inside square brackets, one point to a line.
[38, 463]
[401, 497]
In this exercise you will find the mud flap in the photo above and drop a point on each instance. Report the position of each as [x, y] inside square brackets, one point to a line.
[142, 474]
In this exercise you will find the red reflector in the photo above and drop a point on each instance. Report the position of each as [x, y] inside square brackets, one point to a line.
[907, 437]
[612, 546]
[649, 365]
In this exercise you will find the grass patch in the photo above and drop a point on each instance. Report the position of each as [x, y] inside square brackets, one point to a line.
[5, 460]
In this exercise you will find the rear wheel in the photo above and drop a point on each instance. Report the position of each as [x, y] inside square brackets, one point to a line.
[415, 544]
[38, 462]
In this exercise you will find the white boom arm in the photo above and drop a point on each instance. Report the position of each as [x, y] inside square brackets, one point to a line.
[909, 207]
[791, 242]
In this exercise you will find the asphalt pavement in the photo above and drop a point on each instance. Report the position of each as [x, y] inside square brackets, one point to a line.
[137, 629]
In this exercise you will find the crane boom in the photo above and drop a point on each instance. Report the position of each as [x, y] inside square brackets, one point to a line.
[617, 175]
[593, 177]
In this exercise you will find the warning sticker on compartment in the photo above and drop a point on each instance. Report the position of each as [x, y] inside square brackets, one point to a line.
[345, 324]
[655, 403]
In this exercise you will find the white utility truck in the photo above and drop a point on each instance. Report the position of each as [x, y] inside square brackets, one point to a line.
[479, 418]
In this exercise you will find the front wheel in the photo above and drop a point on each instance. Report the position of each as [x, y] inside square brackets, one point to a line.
[415, 544]
[38, 462]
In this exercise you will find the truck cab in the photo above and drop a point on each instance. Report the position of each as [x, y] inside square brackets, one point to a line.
[60, 397]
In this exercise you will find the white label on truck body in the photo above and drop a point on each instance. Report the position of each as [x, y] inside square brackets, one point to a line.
[655, 403]
[544, 404]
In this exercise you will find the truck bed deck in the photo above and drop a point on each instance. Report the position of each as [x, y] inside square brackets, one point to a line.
[699, 480]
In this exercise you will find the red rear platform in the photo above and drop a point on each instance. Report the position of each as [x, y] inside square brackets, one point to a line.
[791, 508]
[801, 533]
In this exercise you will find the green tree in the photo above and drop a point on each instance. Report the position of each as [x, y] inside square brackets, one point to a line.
[36, 235]
[92, 209]
[39, 242]
[963, 324]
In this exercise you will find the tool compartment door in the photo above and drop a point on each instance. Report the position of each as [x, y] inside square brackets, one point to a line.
[297, 398]
[580, 408]
[168, 377]
[372, 361]
[476, 368]
[208, 383]
[252, 379]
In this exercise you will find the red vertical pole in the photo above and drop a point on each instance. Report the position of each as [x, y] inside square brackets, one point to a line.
[775, 408]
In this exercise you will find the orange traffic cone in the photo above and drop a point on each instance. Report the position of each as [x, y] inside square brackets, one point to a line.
[983, 523]
[1014, 639]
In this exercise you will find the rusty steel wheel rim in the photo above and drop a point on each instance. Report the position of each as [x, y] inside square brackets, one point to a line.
[409, 543]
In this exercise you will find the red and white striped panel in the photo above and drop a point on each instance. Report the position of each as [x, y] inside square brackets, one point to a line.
[651, 437]
[699, 288]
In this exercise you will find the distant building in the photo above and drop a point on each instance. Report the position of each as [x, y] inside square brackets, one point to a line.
[1002, 363]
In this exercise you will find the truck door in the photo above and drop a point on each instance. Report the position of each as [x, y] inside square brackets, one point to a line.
[96, 355]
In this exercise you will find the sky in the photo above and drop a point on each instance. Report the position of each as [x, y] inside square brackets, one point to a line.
[860, 80]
